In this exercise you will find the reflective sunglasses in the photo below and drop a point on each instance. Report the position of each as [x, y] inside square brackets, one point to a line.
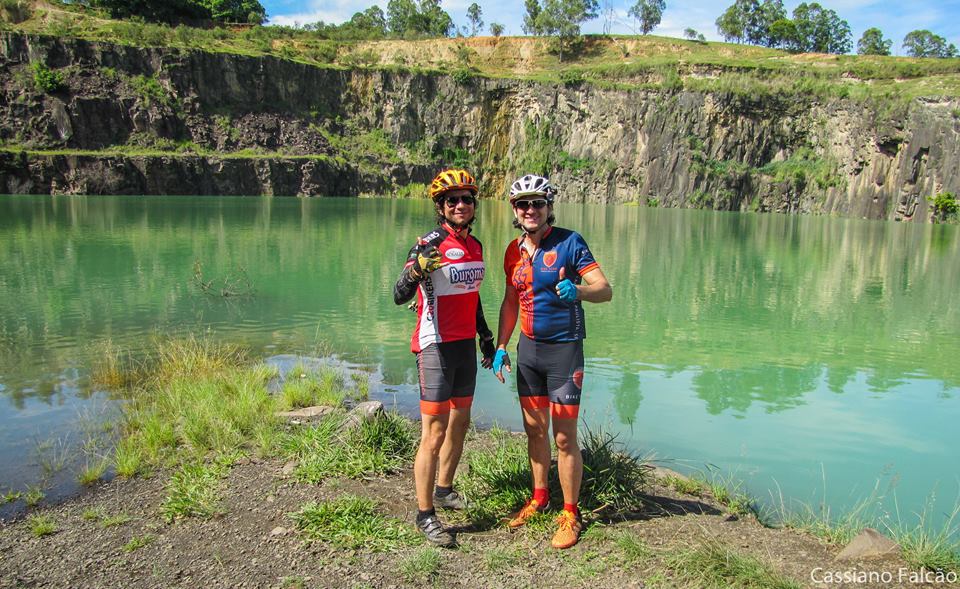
[526, 204]
[453, 201]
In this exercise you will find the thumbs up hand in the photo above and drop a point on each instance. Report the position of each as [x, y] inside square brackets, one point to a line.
[566, 290]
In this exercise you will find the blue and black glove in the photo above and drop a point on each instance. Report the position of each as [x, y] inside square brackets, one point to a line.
[566, 290]
[500, 360]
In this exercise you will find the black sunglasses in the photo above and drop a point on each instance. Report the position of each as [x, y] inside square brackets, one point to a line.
[453, 201]
[526, 204]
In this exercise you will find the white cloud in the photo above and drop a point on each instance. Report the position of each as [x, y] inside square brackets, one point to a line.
[335, 11]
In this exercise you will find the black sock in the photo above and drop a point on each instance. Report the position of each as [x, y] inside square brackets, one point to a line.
[422, 515]
[442, 491]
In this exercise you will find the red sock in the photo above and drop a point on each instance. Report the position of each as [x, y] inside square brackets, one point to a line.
[541, 496]
[572, 508]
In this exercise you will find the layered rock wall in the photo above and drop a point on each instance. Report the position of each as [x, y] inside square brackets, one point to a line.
[163, 121]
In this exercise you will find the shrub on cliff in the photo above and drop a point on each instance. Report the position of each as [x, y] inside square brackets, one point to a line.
[47, 80]
[946, 209]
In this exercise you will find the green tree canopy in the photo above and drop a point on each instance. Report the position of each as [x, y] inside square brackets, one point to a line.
[750, 21]
[418, 17]
[648, 14]
[496, 29]
[820, 29]
[474, 14]
[563, 19]
[873, 43]
[531, 17]
[250, 11]
[923, 43]
[783, 34]
[177, 11]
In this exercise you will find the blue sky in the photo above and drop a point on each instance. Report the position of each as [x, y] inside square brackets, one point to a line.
[894, 18]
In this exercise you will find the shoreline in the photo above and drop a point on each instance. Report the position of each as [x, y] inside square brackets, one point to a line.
[724, 490]
[115, 535]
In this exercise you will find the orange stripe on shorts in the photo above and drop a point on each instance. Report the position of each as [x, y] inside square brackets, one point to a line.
[564, 411]
[434, 407]
[541, 402]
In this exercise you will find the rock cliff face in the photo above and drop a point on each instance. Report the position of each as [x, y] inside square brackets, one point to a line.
[159, 121]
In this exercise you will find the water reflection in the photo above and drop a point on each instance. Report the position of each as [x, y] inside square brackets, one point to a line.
[733, 324]
[628, 397]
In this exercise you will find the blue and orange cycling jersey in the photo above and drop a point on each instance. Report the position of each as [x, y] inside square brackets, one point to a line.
[543, 316]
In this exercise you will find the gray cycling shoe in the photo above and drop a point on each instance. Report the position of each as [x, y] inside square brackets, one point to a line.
[452, 500]
[435, 533]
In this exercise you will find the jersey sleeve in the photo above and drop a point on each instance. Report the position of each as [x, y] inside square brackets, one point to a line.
[583, 260]
[406, 285]
[510, 258]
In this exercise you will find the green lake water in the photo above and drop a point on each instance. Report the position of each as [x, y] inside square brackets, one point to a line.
[813, 358]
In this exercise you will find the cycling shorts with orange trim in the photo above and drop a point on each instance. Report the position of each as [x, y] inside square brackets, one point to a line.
[550, 374]
[448, 376]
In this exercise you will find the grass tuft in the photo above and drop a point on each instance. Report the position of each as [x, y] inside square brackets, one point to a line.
[110, 521]
[497, 559]
[685, 485]
[114, 368]
[33, 496]
[352, 522]
[193, 492]
[376, 447]
[306, 389]
[632, 549]
[497, 479]
[10, 497]
[422, 566]
[128, 459]
[715, 565]
[613, 479]
[91, 473]
[41, 525]
[138, 542]
[921, 547]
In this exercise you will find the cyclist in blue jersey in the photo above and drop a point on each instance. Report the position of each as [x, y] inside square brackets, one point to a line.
[549, 271]
[444, 269]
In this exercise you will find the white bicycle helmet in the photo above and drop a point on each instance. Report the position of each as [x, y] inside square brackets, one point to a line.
[532, 185]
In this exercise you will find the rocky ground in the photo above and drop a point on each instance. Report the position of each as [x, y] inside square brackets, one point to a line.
[254, 543]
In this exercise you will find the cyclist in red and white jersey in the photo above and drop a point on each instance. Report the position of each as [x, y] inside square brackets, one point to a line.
[445, 269]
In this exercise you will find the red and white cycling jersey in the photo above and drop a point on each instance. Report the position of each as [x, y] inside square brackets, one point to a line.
[447, 299]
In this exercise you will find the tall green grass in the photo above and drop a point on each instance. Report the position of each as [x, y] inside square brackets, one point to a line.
[195, 405]
[306, 388]
[498, 478]
[193, 491]
[354, 523]
[329, 449]
[715, 565]
[613, 478]
[922, 543]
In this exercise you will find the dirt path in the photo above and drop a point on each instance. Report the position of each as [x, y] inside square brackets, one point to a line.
[244, 548]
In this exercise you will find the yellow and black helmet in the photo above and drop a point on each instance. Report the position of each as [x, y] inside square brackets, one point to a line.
[452, 179]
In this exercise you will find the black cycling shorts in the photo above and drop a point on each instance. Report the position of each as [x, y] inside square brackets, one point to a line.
[550, 374]
[448, 376]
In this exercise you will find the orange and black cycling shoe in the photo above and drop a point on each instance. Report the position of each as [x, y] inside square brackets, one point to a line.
[531, 508]
[568, 531]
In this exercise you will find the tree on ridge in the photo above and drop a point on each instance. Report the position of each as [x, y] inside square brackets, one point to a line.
[648, 14]
[873, 43]
[923, 43]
